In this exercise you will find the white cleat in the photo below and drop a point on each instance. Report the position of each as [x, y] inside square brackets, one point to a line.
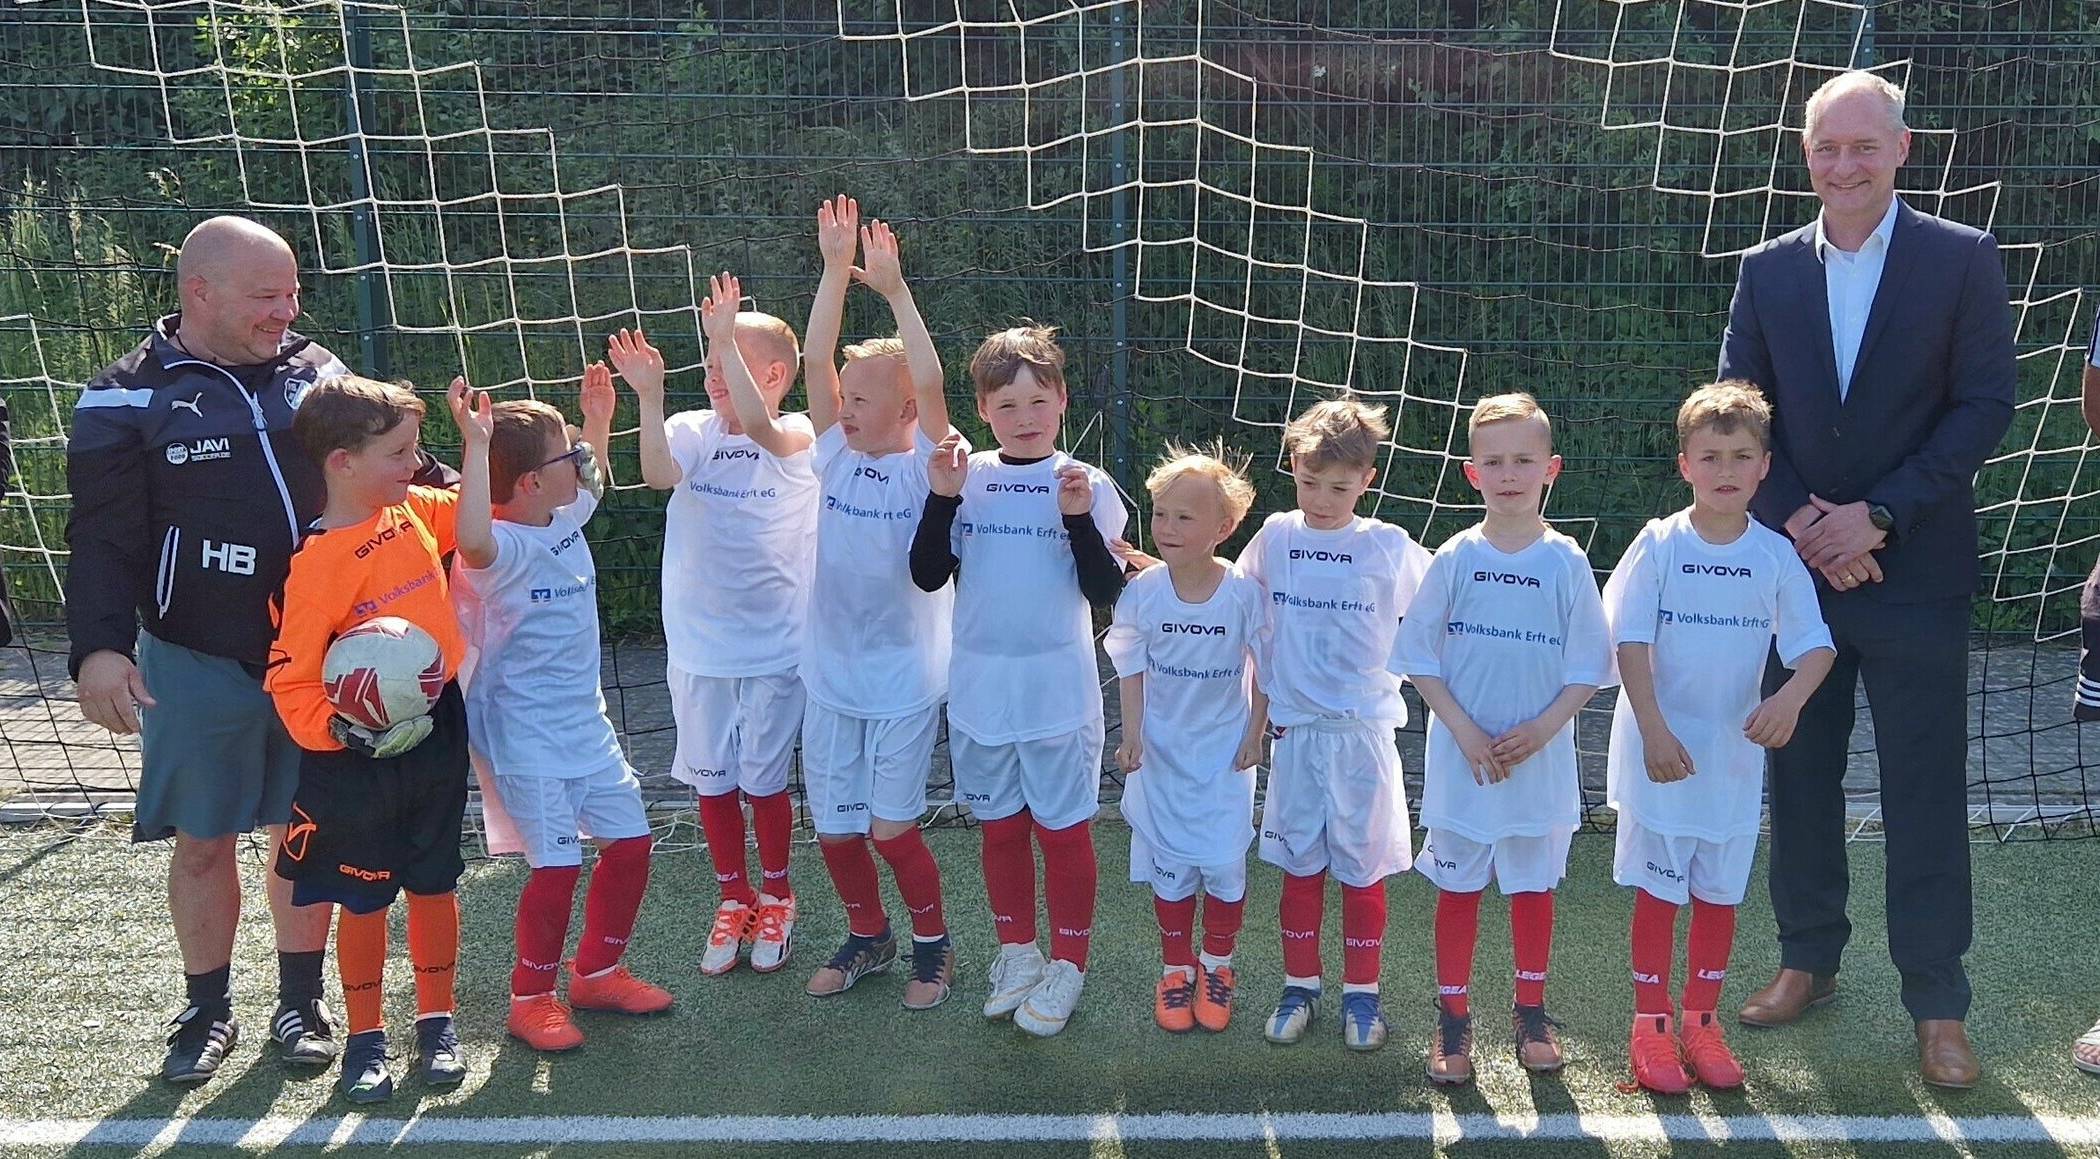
[1049, 1005]
[733, 925]
[1014, 975]
[773, 938]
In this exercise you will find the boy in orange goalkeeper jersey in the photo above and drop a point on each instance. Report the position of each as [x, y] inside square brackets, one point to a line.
[378, 813]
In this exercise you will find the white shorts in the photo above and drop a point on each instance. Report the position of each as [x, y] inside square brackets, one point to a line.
[1336, 803]
[1526, 864]
[855, 769]
[735, 732]
[1056, 778]
[1178, 881]
[548, 818]
[1678, 869]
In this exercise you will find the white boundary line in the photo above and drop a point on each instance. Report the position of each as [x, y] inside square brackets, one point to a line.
[1436, 1126]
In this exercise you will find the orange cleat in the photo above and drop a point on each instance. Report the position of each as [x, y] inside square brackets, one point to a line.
[1708, 1052]
[618, 991]
[1171, 1002]
[1214, 999]
[1656, 1064]
[542, 1023]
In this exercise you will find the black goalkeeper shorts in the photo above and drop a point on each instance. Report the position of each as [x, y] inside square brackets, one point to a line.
[362, 830]
[2087, 706]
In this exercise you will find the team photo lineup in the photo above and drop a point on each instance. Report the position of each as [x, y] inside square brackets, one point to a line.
[323, 633]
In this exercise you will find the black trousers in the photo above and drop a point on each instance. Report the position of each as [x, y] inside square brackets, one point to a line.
[1914, 661]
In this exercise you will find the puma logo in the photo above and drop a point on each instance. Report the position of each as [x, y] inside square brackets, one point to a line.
[192, 405]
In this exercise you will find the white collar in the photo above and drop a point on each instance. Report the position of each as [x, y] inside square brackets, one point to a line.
[1882, 231]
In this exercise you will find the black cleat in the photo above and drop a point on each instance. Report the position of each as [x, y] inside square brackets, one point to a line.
[199, 1045]
[304, 1035]
[438, 1060]
[365, 1076]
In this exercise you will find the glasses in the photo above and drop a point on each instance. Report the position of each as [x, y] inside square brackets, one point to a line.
[575, 454]
[585, 460]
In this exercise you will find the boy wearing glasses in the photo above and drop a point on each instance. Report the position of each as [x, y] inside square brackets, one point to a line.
[549, 763]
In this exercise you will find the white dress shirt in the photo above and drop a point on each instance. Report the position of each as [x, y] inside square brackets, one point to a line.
[1849, 281]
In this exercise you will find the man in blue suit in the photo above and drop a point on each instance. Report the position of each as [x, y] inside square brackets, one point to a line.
[1882, 338]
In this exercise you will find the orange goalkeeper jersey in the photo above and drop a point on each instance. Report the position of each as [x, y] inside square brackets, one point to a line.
[390, 565]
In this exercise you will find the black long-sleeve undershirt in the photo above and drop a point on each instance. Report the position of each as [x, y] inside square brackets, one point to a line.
[932, 556]
[933, 560]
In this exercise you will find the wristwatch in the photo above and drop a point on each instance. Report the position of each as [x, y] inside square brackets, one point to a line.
[1881, 517]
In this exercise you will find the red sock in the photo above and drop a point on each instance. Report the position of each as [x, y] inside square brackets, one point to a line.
[1457, 933]
[1070, 880]
[1221, 925]
[1009, 878]
[543, 928]
[722, 823]
[1177, 928]
[1531, 943]
[1654, 946]
[612, 901]
[1301, 912]
[918, 879]
[1363, 933]
[1706, 954]
[773, 817]
[853, 872]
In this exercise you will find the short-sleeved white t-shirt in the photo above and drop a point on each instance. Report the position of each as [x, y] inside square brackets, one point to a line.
[1711, 613]
[1336, 599]
[1506, 633]
[877, 645]
[1023, 664]
[531, 678]
[740, 539]
[1186, 799]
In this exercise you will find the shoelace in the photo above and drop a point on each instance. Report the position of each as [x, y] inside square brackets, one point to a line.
[730, 924]
[1293, 1000]
[929, 961]
[1454, 1032]
[856, 951]
[194, 1024]
[1535, 1025]
[1704, 1043]
[1179, 995]
[771, 920]
[1216, 989]
[1361, 1006]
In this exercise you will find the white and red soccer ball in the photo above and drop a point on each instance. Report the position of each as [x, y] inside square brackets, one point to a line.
[382, 672]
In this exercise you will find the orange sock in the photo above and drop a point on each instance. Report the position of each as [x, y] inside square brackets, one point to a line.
[360, 956]
[433, 948]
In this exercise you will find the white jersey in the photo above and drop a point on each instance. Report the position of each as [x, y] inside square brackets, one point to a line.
[1023, 665]
[740, 537]
[877, 646]
[1505, 633]
[1712, 613]
[1187, 800]
[534, 705]
[1335, 603]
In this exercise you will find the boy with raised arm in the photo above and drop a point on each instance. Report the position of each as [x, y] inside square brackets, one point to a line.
[1506, 642]
[739, 540]
[877, 661]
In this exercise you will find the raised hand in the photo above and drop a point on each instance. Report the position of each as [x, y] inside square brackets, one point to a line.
[880, 269]
[1075, 492]
[948, 466]
[725, 296]
[471, 412]
[597, 394]
[641, 364]
[838, 228]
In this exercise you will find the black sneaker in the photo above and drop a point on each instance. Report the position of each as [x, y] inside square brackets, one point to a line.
[304, 1035]
[438, 1061]
[198, 1045]
[365, 1076]
[856, 959]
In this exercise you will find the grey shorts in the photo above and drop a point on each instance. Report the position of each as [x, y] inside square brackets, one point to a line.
[217, 760]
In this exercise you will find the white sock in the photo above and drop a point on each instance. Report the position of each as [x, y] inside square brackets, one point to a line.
[1359, 987]
[1215, 961]
[1312, 984]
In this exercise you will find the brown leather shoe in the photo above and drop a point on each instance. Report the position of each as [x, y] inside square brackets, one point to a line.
[1944, 1057]
[1789, 995]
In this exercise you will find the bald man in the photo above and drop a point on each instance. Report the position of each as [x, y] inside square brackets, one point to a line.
[188, 498]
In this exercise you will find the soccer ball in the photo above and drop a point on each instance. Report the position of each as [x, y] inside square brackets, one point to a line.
[382, 672]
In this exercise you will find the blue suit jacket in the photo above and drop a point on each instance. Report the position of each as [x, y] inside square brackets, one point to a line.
[1931, 395]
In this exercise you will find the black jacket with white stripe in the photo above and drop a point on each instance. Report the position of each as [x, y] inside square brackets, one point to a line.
[189, 495]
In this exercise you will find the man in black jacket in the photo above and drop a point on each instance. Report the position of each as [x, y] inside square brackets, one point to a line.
[188, 498]
[1882, 337]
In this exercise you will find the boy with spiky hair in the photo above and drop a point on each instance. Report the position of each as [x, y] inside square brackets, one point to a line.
[877, 660]
[1184, 640]
[1025, 531]
[1506, 643]
[551, 771]
[1696, 605]
[1339, 585]
[739, 540]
